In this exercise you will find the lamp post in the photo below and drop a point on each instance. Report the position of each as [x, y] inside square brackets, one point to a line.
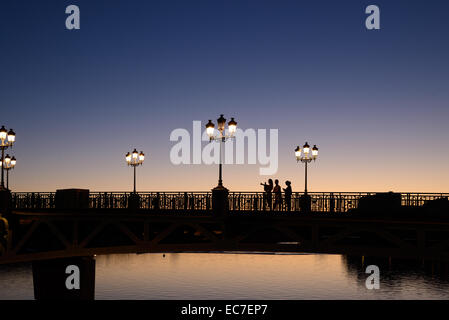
[221, 137]
[7, 140]
[135, 159]
[8, 164]
[305, 157]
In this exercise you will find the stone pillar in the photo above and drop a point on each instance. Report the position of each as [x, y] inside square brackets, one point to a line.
[7, 220]
[64, 279]
[72, 199]
[5, 202]
[220, 202]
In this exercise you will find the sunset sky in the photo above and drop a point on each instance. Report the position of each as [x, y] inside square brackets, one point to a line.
[376, 103]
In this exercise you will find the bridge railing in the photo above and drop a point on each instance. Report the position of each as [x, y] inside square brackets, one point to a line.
[154, 200]
[238, 201]
[33, 200]
[320, 201]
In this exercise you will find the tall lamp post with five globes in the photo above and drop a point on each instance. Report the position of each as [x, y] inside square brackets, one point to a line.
[134, 159]
[7, 140]
[220, 203]
[221, 137]
[306, 157]
[8, 164]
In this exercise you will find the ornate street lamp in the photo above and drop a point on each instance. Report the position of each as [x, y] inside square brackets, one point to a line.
[221, 137]
[305, 157]
[7, 140]
[8, 164]
[135, 159]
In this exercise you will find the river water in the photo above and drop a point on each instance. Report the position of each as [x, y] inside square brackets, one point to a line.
[245, 276]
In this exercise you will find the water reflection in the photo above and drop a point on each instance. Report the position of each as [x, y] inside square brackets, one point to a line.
[404, 279]
[246, 276]
[16, 281]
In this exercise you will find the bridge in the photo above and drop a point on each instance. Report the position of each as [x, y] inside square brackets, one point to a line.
[409, 226]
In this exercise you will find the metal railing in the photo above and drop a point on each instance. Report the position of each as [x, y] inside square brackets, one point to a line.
[238, 201]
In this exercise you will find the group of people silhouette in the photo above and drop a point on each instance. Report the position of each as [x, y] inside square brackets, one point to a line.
[269, 189]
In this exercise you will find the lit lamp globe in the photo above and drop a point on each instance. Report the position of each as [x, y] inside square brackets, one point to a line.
[306, 149]
[298, 153]
[221, 123]
[13, 162]
[141, 157]
[3, 133]
[128, 158]
[7, 160]
[210, 128]
[232, 127]
[11, 137]
[135, 154]
[314, 152]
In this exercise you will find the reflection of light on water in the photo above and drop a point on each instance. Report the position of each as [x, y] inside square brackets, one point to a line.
[203, 276]
[255, 275]
[237, 275]
[16, 281]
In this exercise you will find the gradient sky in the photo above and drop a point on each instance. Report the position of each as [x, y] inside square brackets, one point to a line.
[375, 102]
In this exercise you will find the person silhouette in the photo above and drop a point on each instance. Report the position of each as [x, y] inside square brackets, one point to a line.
[277, 195]
[267, 198]
[288, 195]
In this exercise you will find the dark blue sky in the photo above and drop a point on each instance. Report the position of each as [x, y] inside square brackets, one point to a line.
[376, 102]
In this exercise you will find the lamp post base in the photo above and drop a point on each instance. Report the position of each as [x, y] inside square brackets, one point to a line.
[134, 201]
[220, 202]
[305, 203]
